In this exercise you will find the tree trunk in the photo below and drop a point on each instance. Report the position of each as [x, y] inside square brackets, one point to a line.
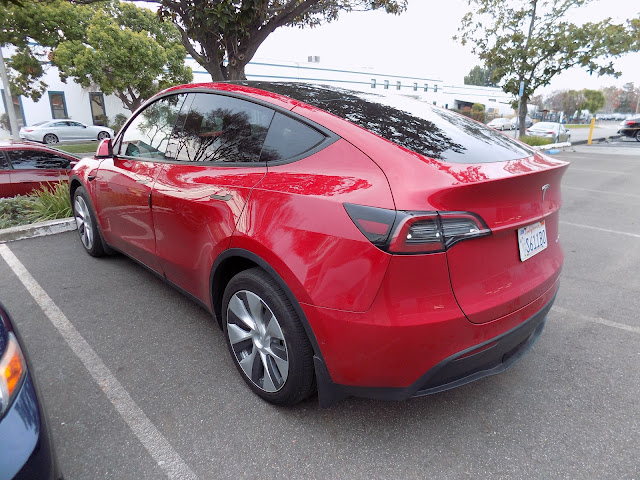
[236, 72]
[522, 115]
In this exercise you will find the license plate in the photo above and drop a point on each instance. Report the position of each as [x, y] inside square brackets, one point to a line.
[532, 239]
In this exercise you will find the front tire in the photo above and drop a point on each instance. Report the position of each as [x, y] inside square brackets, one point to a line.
[87, 224]
[267, 341]
[50, 139]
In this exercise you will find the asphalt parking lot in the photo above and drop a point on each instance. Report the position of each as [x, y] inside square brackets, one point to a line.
[138, 383]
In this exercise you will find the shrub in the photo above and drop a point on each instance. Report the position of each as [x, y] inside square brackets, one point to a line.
[52, 203]
[535, 141]
[15, 211]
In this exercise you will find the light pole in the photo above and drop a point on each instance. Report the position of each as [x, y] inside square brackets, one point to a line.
[13, 121]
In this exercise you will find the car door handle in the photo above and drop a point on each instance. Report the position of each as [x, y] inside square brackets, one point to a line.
[226, 197]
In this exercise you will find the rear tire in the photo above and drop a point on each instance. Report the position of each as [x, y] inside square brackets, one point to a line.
[266, 340]
[87, 224]
[103, 135]
[50, 139]
[637, 135]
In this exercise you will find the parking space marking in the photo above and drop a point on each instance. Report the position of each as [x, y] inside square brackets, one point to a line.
[579, 225]
[633, 195]
[156, 444]
[601, 321]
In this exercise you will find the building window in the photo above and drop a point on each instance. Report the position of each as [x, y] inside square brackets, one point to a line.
[415, 87]
[386, 84]
[398, 85]
[426, 87]
[435, 88]
[58, 105]
[96, 100]
[373, 83]
[17, 107]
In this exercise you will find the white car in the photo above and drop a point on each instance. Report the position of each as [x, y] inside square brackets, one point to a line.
[55, 131]
[552, 130]
[500, 124]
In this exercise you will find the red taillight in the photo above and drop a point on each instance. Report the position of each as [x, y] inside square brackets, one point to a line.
[415, 232]
[28, 129]
[630, 122]
[550, 132]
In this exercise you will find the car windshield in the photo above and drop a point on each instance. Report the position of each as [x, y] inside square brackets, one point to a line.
[408, 121]
[544, 126]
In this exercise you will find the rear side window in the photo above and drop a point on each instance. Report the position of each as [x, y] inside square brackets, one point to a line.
[221, 129]
[30, 159]
[148, 133]
[288, 138]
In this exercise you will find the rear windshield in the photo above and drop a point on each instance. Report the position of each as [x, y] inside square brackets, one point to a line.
[409, 122]
[545, 125]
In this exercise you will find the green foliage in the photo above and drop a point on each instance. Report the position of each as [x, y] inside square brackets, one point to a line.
[122, 49]
[15, 211]
[126, 52]
[51, 203]
[533, 41]
[213, 30]
[480, 76]
[45, 204]
[593, 100]
[535, 141]
[627, 98]
[118, 121]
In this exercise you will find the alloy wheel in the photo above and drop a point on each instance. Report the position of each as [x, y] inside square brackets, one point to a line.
[83, 222]
[49, 139]
[257, 341]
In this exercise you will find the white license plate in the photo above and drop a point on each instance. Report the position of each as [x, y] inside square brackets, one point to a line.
[532, 239]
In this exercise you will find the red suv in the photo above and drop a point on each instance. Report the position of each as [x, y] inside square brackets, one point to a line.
[368, 245]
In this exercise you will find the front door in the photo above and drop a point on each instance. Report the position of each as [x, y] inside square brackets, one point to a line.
[124, 183]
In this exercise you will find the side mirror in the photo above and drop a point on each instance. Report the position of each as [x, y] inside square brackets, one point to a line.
[105, 149]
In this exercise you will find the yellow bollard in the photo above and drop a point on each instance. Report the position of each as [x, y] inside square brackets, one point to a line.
[593, 123]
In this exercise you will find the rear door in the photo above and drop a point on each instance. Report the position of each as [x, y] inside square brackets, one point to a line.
[200, 194]
[124, 183]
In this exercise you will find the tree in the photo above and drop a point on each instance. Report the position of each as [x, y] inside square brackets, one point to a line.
[593, 100]
[480, 76]
[627, 98]
[532, 41]
[224, 35]
[120, 48]
[611, 98]
[126, 52]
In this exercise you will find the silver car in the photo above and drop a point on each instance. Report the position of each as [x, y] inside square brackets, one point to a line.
[55, 131]
[500, 124]
[553, 130]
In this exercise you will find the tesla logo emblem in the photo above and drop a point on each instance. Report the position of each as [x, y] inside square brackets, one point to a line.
[544, 190]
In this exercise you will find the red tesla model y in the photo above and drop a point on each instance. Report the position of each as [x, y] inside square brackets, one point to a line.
[356, 243]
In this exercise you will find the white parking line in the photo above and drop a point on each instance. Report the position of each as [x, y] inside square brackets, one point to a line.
[601, 191]
[150, 437]
[601, 321]
[579, 225]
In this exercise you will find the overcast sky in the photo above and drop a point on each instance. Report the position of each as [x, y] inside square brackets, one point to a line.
[418, 43]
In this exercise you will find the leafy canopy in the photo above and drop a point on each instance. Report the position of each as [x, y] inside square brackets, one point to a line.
[217, 30]
[534, 40]
[126, 51]
[117, 47]
[480, 76]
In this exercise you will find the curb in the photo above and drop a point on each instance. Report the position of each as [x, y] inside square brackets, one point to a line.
[40, 229]
[597, 140]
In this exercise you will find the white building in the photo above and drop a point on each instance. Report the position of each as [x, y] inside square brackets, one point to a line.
[70, 100]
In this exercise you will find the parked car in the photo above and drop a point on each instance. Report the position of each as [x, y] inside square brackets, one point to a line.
[26, 449]
[630, 128]
[55, 131]
[551, 130]
[26, 167]
[500, 124]
[370, 245]
[515, 123]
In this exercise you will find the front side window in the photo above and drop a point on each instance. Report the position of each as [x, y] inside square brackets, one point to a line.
[288, 138]
[218, 128]
[4, 165]
[34, 159]
[148, 133]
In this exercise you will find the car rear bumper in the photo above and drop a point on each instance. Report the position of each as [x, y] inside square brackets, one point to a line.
[489, 357]
[26, 450]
